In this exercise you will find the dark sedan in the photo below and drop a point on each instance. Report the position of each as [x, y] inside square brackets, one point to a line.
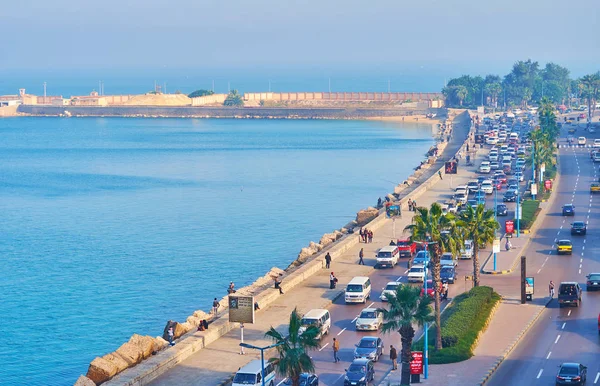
[571, 374]
[510, 196]
[593, 281]
[568, 210]
[360, 373]
[578, 228]
[448, 275]
[501, 210]
[370, 347]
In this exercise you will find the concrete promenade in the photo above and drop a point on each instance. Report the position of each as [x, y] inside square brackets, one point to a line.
[216, 363]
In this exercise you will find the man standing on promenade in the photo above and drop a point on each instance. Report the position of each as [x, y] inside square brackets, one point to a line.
[327, 260]
[332, 280]
[440, 174]
[216, 305]
[336, 348]
[551, 289]
[394, 358]
[361, 254]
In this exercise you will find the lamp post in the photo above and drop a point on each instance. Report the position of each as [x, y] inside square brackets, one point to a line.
[262, 356]
[495, 216]
[426, 327]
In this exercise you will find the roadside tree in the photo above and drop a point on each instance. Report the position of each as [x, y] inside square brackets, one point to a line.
[406, 309]
[440, 234]
[200, 93]
[293, 358]
[234, 99]
[479, 225]
[590, 90]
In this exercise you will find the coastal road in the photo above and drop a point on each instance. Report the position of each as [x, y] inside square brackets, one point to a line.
[562, 334]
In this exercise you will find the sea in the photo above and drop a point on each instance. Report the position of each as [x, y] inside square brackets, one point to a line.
[113, 226]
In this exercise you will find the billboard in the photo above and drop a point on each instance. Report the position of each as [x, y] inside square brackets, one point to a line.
[241, 309]
[416, 365]
[510, 226]
[392, 211]
[451, 167]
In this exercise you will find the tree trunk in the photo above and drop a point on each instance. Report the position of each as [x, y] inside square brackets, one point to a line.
[435, 275]
[475, 261]
[407, 334]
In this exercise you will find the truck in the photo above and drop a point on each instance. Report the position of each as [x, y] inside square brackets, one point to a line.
[406, 248]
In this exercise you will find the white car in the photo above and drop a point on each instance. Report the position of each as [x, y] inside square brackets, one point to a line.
[461, 198]
[596, 143]
[485, 167]
[461, 189]
[519, 176]
[370, 319]
[581, 141]
[390, 289]
[467, 252]
[416, 274]
[487, 186]
[493, 156]
[447, 259]
[494, 165]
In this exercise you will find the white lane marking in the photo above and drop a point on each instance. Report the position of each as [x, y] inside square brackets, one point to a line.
[371, 305]
[569, 313]
[284, 379]
[405, 272]
[354, 320]
[583, 248]
[597, 376]
[322, 347]
[563, 221]
[340, 377]
[539, 270]
[580, 271]
[584, 241]
[563, 326]
[581, 260]
[548, 356]
[340, 333]
[589, 210]
[561, 227]
[558, 233]
[549, 252]
[557, 338]
[540, 374]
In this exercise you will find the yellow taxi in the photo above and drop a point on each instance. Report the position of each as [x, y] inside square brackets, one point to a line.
[564, 247]
[594, 188]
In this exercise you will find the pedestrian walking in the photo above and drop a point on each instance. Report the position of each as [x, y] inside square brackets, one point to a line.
[332, 281]
[278, 285]
[327, 260]
[551, 289]
[370, 236]
[216, 305]
[394, 357]
[445, 291]
[440, 174]
[361, 254]
[256, 306]
[410, 205]
[362, 235]
[414, 206]
[171, 334]
[336, 348]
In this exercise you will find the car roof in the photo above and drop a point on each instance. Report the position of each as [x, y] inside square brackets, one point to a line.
[570, 364]
[362, 361]
[578, 222]
[388, 248]
[369, 338]
[393, 283]
[564, 240]
[568, 205]
[369, 309]
[569, 283]
[417, 266]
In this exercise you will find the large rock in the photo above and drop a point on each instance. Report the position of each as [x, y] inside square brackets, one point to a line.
[327, 239]
[366, 215]
[338, 235]
[159, 344]
[201, 315]
[304, 254]
[116, 360]
[101, 370]
[145, 344]
[316, 247]
[186, 327]
[84, 381]
[130, 353]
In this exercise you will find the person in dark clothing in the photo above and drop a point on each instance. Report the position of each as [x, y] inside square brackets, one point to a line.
[361, 254]
[394, 357]
[231, 289]
[278, 285]
[332, 280]
[392, 242]
[327, 260]
[440, 174]
[256, 307]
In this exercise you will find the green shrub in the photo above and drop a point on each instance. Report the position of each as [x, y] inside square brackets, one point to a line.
[530, 210]
[461, 324]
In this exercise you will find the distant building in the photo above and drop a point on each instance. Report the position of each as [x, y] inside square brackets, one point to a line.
[92, 100]
[61, 102]
[9, 102]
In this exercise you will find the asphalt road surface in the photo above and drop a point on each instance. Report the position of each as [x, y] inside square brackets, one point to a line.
[562, 334]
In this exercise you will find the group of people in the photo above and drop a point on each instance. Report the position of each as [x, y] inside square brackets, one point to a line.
[412, 205]
[366, 236]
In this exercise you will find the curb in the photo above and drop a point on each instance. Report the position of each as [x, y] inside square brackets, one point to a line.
[512, 346]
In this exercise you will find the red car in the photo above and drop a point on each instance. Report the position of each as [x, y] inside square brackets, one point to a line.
[582, 116]
[407, 248]
[430, 288]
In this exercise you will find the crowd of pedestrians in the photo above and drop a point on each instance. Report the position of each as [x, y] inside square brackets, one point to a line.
[366, 236]
[412, 205]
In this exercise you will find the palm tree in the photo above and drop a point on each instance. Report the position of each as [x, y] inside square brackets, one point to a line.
[432, 227]
[407, 308]
[590, 86]
[293, 359]
[479, 225]
[461, 93]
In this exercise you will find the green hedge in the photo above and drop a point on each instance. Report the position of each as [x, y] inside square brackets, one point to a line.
[530, 211]
[461, 324]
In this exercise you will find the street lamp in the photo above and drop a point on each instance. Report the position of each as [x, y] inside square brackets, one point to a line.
[426, 332]
[495, 216]
[262, 356]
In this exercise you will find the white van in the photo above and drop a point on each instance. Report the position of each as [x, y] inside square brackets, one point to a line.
[358, 290]
[387, 256]
[251, 374]
[319, 318]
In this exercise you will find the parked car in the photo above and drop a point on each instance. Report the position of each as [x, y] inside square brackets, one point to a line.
[568, 210]
[569, 293]
[593, 281]
[369, 347]
[370, 319]
[501, 210]
[448, 274]
[564, 247]
[571, 374]
[578, 228]
[390, 289]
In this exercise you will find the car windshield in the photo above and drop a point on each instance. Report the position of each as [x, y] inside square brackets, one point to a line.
[569, 206]
[569, 370]
[354, 288]
[357, 368]
[384, 254]
[416, 269]
[447, 270]
[391, 287]
[578, 224]
[367, 315]
[567, 289]
[404, 243]
[245, 379]
[564, 242]
[308, 321]
[367, 343]
[595, 277]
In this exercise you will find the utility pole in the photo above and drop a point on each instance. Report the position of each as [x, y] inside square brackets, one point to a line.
[228, 87]
[44, 89]
[389, 85]
[329, 85]
[269, 85]
[213, 86]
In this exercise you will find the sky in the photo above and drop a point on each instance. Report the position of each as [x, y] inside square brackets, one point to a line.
[441, 36]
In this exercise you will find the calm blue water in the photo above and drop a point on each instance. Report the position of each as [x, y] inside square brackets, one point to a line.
[113, 226]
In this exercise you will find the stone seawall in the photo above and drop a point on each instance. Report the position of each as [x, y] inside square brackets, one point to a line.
[223, 112]
[149, 369]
